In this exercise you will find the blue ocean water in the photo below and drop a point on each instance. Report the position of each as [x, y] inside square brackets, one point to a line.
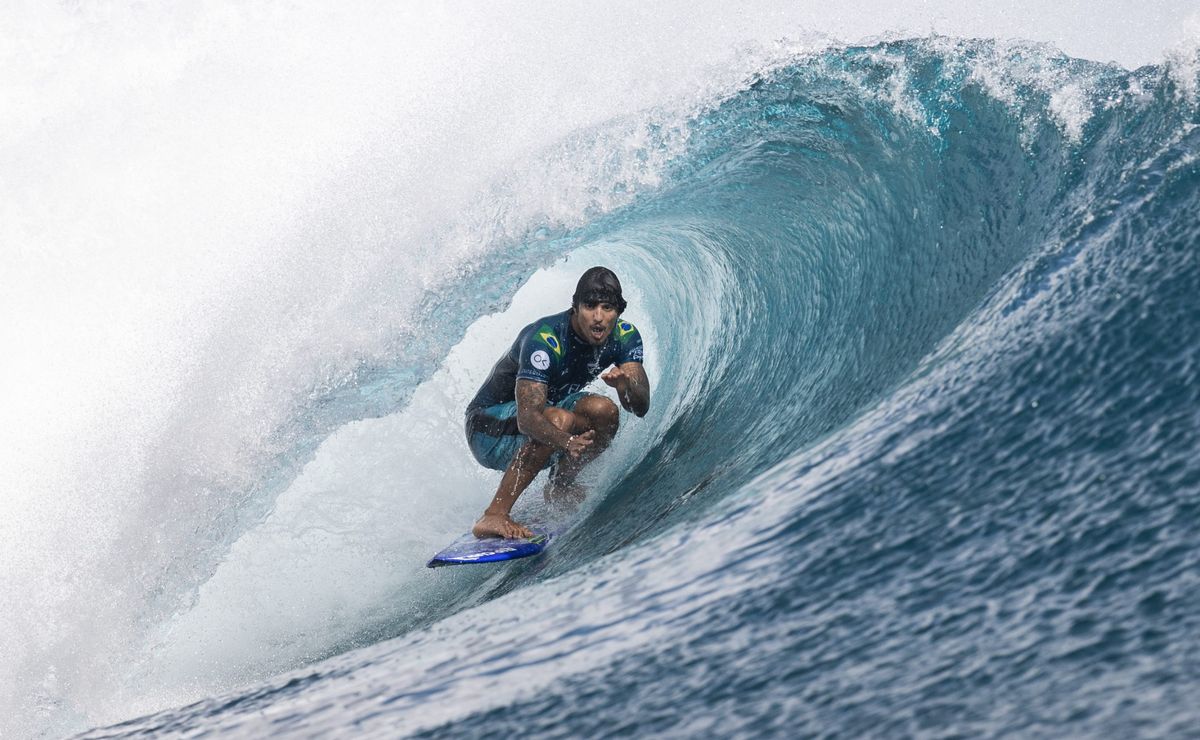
[927, 343]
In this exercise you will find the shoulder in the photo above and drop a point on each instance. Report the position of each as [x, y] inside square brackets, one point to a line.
[625, 332]
[547, 333]
[626, 342]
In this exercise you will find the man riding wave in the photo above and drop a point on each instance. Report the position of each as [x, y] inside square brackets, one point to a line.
[532, 406]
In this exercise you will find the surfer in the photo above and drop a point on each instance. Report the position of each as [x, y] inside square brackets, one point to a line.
[532, 413]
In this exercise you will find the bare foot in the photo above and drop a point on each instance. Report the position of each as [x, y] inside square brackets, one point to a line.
[499, 525]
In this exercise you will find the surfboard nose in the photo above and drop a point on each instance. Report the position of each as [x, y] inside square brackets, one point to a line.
[469, 549]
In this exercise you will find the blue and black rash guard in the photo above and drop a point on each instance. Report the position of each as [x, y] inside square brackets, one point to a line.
[548, 351]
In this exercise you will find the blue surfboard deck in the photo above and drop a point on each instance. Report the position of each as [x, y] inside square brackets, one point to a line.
[469, 549]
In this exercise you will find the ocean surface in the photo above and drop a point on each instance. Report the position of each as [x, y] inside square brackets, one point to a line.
[922, 320]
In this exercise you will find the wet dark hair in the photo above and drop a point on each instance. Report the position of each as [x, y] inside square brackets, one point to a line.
[599, 285]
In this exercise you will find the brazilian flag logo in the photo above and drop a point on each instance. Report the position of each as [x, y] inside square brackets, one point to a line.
[624, 329]
[546, 334]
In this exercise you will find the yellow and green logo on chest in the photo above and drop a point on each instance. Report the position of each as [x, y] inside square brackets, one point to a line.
[546, 334]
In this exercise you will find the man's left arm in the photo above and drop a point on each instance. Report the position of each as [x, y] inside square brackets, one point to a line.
[632, 385]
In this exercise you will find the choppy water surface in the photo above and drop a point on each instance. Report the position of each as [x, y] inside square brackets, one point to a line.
[922, 322]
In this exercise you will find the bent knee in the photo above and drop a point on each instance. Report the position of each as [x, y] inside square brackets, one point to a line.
[599, 410]
[561, 418]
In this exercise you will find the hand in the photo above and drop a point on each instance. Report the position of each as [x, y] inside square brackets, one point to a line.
[577, 443]
[617, 378]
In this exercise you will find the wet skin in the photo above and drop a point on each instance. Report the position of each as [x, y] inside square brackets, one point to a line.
[581, 434]
[593, 322]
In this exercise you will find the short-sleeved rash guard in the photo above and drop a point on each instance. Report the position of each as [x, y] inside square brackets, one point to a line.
[548, 351]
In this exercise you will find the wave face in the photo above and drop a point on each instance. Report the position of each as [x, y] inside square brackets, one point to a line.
[922, 326]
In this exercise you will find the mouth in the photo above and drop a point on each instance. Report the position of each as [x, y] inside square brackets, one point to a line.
[598, 331]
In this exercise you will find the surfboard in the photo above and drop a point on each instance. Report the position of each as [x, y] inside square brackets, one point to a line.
[469, 549]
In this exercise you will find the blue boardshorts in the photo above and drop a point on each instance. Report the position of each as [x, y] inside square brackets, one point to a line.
[493, 436]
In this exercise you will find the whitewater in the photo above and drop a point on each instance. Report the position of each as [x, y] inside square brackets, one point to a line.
[918, 289]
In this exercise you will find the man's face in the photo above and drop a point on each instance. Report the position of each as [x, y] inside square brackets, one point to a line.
[594, 321]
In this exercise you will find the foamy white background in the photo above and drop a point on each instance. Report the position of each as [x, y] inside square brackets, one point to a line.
[207, 213]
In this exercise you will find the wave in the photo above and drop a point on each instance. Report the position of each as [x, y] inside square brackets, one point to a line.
[920, 327]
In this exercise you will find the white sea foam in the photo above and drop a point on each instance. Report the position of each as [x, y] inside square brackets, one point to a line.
[1183, 64]
[210, 215]
[237, 211]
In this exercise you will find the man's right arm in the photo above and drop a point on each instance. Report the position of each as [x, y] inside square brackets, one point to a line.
[531, 419]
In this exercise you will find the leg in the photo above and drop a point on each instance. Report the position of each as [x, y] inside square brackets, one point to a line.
[595, 413]
[525, 465]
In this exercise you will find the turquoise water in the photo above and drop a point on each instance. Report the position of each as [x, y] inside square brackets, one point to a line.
[922, 453]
